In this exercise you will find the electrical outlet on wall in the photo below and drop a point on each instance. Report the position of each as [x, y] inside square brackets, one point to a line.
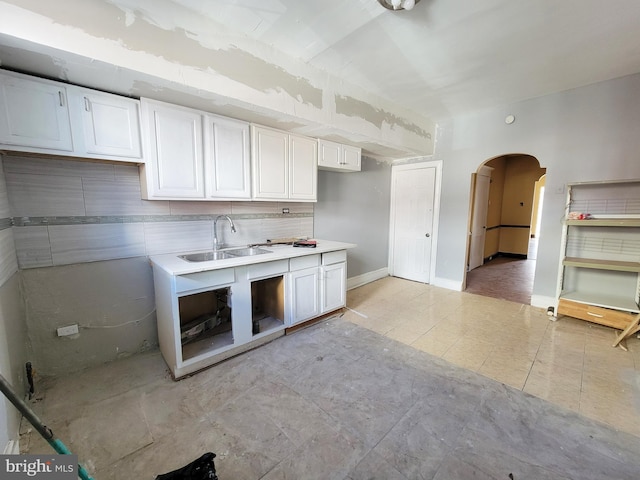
[68, 330]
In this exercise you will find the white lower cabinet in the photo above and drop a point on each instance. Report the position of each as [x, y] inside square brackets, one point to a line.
[333, 287]
[317, 285]
[206, 317]
[304, 298]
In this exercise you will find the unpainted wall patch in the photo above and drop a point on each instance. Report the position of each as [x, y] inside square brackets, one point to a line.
[353, 107]
[136, 32]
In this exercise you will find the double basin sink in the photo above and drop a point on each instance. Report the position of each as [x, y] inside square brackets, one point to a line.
[223, 254]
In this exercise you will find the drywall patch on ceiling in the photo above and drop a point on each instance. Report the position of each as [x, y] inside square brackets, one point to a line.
[135, 31]
[353, 107]
[215, 104]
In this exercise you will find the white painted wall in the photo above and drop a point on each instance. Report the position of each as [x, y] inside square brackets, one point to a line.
[589, 133]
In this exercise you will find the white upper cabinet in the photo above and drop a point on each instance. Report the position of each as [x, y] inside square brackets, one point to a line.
[174, 167]
[227, 158]
[270, 163]
[110, 124]
[34, 113]
[303, 168]
[194, 155]
[338, 157]
[38, 115]
[284, 166]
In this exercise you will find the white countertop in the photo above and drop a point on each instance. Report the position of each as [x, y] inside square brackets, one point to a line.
[174, 265]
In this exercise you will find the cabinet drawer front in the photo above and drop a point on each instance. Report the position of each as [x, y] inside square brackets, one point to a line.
[266, 269]
[308, 261]
[330, 258]
[211, 278]
[603, 316]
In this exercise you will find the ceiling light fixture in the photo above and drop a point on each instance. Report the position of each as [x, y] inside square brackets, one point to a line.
[398, 4]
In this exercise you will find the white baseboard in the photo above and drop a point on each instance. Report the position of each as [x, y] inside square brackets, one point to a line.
[448, 284]
[358, 281]
[542, 301]
[12, 448]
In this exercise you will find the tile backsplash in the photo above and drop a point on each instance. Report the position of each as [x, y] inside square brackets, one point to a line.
[67, 211]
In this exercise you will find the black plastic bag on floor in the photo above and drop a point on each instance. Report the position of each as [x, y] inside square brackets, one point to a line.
[201, 469]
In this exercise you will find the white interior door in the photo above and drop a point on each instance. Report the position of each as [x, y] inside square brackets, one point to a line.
[413, 219]
[479, 217]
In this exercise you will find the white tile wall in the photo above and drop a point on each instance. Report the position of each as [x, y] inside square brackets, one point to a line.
[42, 195]
[8, 263]
[115, 197]
[91, 243]
[121, 224]
[167, 237]
[5, 211]
[33, 247]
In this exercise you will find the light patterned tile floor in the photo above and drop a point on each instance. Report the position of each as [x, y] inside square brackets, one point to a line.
[568, 362]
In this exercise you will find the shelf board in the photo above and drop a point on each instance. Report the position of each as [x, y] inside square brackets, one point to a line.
[615, 265]
[603, 300]
[605, 222]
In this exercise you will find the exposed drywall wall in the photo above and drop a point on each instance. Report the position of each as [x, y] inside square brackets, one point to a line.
[585, 134]
[354, 207]
[112, 303]
[164, 51]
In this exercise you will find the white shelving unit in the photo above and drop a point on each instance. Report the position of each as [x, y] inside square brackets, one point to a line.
[599, 277]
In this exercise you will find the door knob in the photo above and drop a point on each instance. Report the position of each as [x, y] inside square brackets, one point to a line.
[427, 235]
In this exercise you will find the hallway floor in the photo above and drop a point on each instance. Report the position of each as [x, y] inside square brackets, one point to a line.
[412, 381]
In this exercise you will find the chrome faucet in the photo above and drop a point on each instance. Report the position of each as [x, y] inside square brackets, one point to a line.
[216, 245]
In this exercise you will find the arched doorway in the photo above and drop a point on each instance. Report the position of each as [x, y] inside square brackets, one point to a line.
[504, 224]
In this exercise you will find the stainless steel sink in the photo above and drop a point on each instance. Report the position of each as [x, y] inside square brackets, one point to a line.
[222, 254]
[246, 252]
[205, 256]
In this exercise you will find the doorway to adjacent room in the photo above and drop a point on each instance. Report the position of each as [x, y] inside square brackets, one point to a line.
[504, 225]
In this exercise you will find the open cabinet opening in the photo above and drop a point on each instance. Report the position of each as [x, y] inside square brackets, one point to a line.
[205, 322]
[267, 304]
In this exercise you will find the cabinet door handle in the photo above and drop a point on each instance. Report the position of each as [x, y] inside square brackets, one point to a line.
[87, 104]
[595, 315]
[61, 98]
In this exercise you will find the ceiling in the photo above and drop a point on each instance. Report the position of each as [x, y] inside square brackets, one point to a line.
[446, 57]
[345, 70]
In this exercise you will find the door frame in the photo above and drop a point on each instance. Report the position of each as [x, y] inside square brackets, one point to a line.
[437, 164]
[483, 171]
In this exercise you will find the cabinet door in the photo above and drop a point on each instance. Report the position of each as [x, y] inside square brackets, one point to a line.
[34, 114]
[174, 168]
[333, 289]
[270, 165]
[329, 154]
[110, 124]
[351, 158]
[304, 294]
[227, 161]
[303, 168]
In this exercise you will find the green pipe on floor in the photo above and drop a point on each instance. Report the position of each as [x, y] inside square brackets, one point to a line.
[45, 431]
